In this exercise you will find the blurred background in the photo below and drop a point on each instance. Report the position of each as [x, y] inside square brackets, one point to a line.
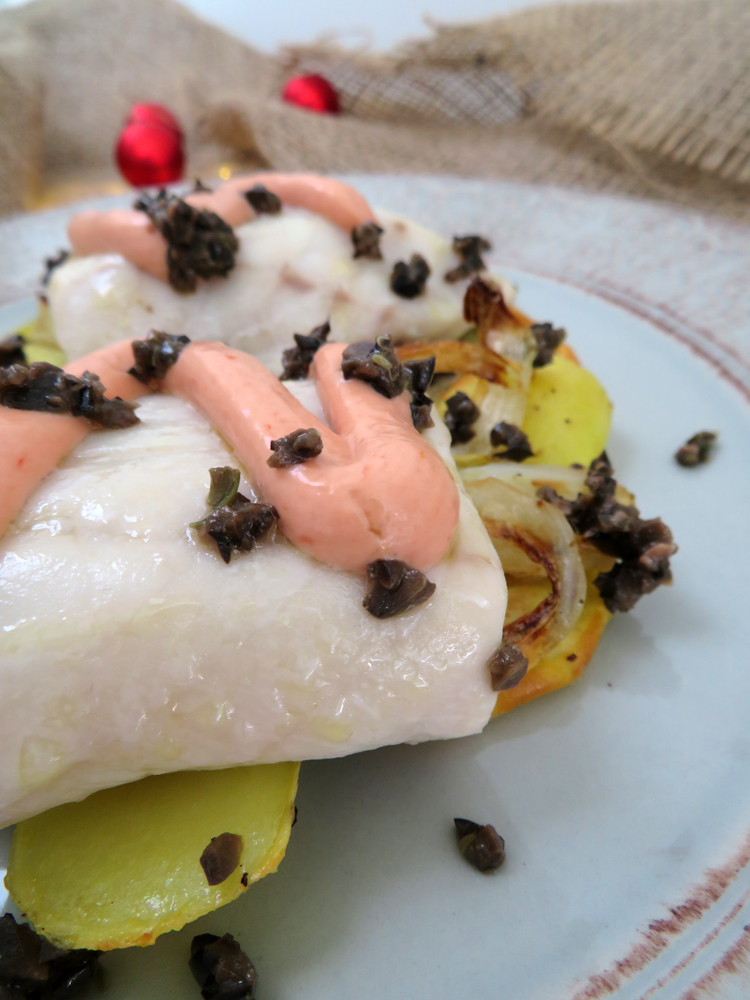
[643, 97]
[271, 26]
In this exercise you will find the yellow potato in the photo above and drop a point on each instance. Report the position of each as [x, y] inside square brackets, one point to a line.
[40, 341]
[567, 414]
[567, 660]
[122, 867]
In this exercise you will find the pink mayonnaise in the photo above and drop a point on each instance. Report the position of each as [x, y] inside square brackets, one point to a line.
[133, 235]
[377, 490]
[32, 444]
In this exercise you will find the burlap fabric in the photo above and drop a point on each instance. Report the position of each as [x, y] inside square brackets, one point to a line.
[649, 97]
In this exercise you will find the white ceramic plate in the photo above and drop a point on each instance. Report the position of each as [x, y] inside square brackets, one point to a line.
[623, 800]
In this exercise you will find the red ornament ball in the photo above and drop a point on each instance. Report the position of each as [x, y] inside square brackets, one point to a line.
[150, 148]
[313, 93]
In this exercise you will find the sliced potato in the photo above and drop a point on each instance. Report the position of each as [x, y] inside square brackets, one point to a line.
[567, 414]
[40, 340]
[567, 660]
[122, 867]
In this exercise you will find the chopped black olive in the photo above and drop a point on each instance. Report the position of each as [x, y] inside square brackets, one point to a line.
[155, 355]
[395, 587]
[235, 523]
[366, 240]
[238, 527]
[375, 363]
[513, 439]
[507, 667]
[199, 243]
[221, 857]
[469, 250]
[548, 339]
[419, 375]
[263, 201]
[299, 446]
[51, 263]
[225, 482]
[696, 451]
[11, 351]
[33, 969]
[409, 280]
[642, 548]
[297, 360]
[221, 968]
[200, 188]
[48, 389]
[459, 417]
[482, 846]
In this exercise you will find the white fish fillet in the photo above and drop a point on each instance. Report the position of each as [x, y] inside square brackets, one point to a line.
[127, 647]
[293, 272]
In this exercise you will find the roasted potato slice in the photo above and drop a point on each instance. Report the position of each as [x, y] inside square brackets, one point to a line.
[40, 340]
[568, 414]
[567, 660]
[123, 866]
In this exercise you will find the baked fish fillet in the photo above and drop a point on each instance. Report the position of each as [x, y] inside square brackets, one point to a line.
[128, 648]
[293, 272]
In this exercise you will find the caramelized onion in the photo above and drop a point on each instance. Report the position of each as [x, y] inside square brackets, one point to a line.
[456, 357]
[530, 533]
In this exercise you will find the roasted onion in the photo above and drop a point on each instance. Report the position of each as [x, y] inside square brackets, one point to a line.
[531, 535]
[456, 357]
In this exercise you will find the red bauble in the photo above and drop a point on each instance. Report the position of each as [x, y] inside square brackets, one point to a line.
[153, 114]
[313, 93]
[150, 148]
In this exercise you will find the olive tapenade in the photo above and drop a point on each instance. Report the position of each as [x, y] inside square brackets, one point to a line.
[418, 377]
[642, 548]
[299, 446]
[297, 360]
[696, 451]
[221, 968]
[31, 968]
[236, 524]
[225, 482]
[461, 413]
[482, 846]
[375, 363]
[221, 857]
[199, 243]
[512, 439]
[46, 388]
[263, 201]
[155, 355]
[409, 280]
[469, 250]
[507, 667]
[52, 263]
[395, 587]
[12, 351]
[548, 339]
[366, 240]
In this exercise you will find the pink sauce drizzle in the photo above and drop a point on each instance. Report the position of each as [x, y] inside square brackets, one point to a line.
[378, 490]
[133, 235]
[32, 444]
